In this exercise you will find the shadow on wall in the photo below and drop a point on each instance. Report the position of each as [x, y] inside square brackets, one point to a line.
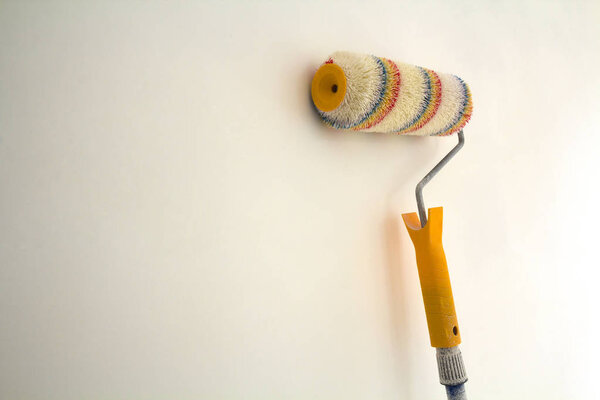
[397, 298]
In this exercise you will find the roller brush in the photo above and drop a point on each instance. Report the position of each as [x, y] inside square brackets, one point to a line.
[357, 92]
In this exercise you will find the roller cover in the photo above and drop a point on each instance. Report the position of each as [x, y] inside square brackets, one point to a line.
[374, 94]
[434, 277]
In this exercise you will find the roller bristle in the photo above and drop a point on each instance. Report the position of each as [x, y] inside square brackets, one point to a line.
[387, 96]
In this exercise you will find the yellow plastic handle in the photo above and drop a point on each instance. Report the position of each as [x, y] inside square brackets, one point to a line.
[434, 277]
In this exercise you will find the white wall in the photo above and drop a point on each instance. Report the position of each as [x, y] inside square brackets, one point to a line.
[176, 223]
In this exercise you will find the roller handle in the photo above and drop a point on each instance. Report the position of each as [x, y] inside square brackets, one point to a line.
[434, 278]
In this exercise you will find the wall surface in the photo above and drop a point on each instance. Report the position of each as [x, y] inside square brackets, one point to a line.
[175, 222]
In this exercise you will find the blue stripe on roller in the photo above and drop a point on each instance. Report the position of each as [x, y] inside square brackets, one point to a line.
[423, 108]
[460, 113]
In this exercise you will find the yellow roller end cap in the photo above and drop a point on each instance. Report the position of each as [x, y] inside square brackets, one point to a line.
[328, 87]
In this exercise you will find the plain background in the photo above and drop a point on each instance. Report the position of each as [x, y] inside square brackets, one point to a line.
[176, 223]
